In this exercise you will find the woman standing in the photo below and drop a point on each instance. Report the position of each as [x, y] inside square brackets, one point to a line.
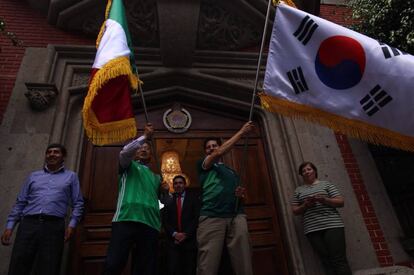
[317, 201]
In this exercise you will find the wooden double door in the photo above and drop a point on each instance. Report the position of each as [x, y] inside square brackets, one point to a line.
[99, 185]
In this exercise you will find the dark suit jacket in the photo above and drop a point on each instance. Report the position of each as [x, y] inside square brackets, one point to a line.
[189, 219]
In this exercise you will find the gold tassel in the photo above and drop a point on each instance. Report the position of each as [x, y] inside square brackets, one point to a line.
[102, 29]
[115, 67]
[353, 128]
[119, 130]
[287, 2]
[110, 132]
[290, 3]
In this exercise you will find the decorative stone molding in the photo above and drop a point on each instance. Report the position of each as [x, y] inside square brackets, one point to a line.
[91, 23]
[87, 17]
[80, 79]
[40, 95]
[143, 22]
[221, 29]
[223, 25]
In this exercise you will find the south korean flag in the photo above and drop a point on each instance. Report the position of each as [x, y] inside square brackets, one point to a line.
[323, 66]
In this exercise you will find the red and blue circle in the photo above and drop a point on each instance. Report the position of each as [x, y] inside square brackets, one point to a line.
[340, 62]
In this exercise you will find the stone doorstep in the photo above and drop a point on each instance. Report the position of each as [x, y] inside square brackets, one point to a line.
[390, 270]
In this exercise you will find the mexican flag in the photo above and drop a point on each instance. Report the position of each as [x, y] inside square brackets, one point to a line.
[107, 111]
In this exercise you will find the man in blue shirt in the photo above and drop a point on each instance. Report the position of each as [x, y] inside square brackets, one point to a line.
[41, 207]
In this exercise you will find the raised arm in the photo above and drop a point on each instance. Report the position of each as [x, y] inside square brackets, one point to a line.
[127, 153]
[227, 146]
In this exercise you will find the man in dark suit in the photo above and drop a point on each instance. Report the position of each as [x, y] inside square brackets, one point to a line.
[180, 217]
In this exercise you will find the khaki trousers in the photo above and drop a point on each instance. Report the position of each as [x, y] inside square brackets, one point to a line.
[212, 233]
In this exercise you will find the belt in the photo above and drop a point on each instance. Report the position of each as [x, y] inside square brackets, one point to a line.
[43, 217]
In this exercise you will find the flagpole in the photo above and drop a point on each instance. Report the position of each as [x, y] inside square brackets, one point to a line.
[256, 81]
[259, 61]
[144, 105]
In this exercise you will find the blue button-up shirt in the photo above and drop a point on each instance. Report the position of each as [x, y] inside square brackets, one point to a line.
[48, 193]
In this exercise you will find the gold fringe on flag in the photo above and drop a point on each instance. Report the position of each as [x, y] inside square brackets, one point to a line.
[111, 132]
[102, 29]
[353, 128]
[287, 2]
[115, 67]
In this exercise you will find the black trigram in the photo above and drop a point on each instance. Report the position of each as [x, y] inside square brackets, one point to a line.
[297, 80]
[305, 30]
[390, 51]
[374, 100]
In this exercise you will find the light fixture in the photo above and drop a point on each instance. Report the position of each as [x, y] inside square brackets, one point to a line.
[170, 167]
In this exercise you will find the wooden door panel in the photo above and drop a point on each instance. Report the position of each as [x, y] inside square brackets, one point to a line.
[97, 234]
[97, 219]
[255, 212]
[260, 225]
[92, 266]
[103, 186]
[268, 253]
[99, 187]
[253, 176]
[93, 250]
[265, 262]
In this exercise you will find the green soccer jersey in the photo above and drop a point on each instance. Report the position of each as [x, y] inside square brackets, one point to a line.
[138, 196]
[218, 185]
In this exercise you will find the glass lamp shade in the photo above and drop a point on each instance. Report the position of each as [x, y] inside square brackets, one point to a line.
[170, 163]
[170, 167]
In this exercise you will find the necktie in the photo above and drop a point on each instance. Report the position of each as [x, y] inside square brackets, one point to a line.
[179, 212]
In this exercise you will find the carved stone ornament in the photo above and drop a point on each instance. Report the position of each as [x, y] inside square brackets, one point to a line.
[177, 119]
[143, 22]
[80, 79]
[40, 95]
[222, 29]
[142, 19]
